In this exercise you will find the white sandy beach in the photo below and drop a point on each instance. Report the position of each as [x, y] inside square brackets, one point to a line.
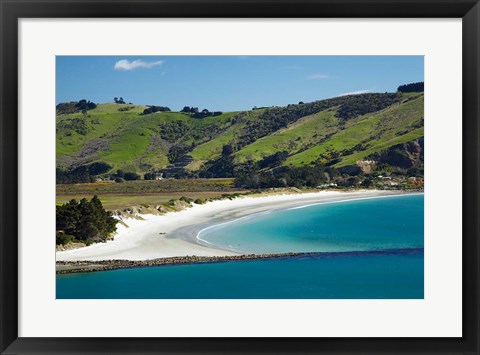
[174, 234]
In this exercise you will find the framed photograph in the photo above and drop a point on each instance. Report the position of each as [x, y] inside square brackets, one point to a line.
[239, 177]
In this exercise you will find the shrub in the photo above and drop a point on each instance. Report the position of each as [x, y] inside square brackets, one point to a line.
[186, 199]
[62, 238]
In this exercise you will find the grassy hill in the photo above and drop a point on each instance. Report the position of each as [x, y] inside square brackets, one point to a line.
[365, 135]
[120, 135]
[336, 132]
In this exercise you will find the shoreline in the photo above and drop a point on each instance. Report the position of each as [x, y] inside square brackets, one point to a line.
[75, 267]
[174, 235]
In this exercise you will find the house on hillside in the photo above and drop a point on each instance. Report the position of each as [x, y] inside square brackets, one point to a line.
[390, 183]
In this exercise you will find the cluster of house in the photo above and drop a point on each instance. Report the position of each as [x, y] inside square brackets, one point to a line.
[322, 186]
[387, 181]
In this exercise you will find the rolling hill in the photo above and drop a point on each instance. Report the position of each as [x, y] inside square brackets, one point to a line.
[339, 132]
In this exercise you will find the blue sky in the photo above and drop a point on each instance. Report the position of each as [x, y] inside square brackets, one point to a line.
[229, 83]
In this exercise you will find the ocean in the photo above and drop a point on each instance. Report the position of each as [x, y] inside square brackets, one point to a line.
[370, 249]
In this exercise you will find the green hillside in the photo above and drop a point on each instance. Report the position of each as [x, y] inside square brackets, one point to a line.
[296, 137]
[336, 132]
[368, 134]
[129, 140]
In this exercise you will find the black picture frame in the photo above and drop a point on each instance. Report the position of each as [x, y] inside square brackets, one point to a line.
[12, 10]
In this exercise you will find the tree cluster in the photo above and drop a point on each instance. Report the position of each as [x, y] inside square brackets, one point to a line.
[413, 87]
[260, 108]
[81, 174]
[153, 109]
[222, 167]
[171, 131]
[267, 172]
[118, 100]
[120, 174]
[306, 176]
[84, 105]
[75, 106]
[273, 160]
[149, 176]
[75, 124]
[188, 109]
[200, 114]
[205, 113]
[357, 105]
[177, 151]
[85, 221]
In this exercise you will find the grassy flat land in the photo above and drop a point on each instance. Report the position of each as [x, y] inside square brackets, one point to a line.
[121, 201]
[140, 192]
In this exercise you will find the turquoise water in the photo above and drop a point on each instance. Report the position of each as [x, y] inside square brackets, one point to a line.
[375, 251]
[359, 225]
[358, 276]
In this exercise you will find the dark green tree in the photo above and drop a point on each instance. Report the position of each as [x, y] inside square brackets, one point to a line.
[131, 176]
[149, 176]
[227, 149]
[85, 221]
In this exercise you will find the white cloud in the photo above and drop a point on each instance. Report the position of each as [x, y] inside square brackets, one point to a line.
[317, 77]
[355, 92]
[127, 65]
